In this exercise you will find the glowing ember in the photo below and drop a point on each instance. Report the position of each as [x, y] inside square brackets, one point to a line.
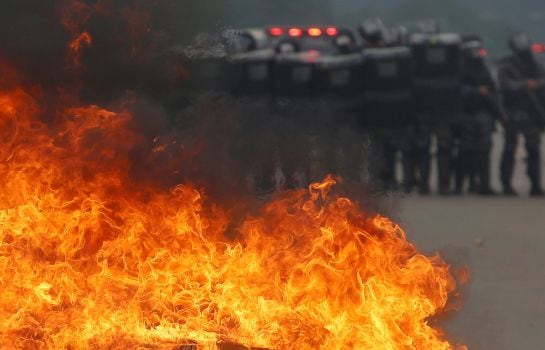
[74, 16]
[90, 259]
[77, 45]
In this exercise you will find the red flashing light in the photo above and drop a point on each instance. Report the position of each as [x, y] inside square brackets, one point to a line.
[295, 32]
[314, 32]
[538, 48]
[276, 31]
[332, 31]
[483, 53]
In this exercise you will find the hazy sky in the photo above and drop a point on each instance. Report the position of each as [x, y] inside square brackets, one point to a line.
[495, 22]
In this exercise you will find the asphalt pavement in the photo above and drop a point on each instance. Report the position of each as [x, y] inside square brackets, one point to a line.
[502, 241]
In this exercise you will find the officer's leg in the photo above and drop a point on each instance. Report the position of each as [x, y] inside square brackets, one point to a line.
[508, 158]
[407, 164]
[483, 165]
[474, 157]
[351, 162]
[484, 173]
[332, 150]
[406, 137]
[390, 150]
[377, 155]
[293, 154]
[422, 156]
[470, 171]
[444, 155]
[473, 171]
[533, 142]
[262, 151]
[462, 161]
[463, 169]
[486, 128]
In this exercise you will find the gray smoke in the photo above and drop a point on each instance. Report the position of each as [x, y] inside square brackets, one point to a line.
[224, 144]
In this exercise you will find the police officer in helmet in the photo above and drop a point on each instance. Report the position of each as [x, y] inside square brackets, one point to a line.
[438, 102]
[522, 82]
[387, 102]
[481, 109]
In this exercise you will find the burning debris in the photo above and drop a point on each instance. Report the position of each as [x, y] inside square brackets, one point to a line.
[91, 259]
[94, 257]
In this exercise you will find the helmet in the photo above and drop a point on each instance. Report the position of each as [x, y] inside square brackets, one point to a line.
[521, 43]
[287, 45]
[429, 26]
[373, 32]
[473, 47]
[344, 41]
[398, 36]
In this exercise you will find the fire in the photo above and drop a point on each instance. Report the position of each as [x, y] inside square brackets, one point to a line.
[76, 46]
[74, 17]
[92, 259]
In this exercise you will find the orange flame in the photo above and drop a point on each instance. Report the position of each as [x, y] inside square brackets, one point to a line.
[89, 259]
[74, 16]
[77, 45]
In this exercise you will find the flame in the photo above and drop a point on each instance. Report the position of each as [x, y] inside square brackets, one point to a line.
[77, 45]
[91, 259]
[74, 17]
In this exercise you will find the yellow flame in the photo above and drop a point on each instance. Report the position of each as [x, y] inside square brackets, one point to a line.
[89, 259]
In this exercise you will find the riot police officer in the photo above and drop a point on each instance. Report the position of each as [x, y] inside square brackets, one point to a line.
[522, 84]
[481, 109]
[255, 144]
[387, 102]
[438, 100]
[315, 78]
[337, 87]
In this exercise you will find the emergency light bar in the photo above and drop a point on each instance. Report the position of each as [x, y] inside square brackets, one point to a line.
[331, 31]
[276, 31]
[296, 32]
[314, 32]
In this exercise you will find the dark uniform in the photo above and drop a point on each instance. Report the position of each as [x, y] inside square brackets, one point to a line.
[522, 84]
[294, 112]
[337, 86]
[315, 78]
[438, 100]
[481, 110]
[255, 144]
[388, 110]
[387, 99]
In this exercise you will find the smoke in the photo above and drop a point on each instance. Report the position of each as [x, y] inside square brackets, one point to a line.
[233, 147]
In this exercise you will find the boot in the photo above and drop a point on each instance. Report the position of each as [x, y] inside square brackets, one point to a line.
[488, 192]
[506, 170]
[484, 174]
[424, 165]
[509, 191]
[534, 172]
[443, 162]
[537, 192]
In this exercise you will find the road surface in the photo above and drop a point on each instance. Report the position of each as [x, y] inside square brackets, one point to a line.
[502, 240]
